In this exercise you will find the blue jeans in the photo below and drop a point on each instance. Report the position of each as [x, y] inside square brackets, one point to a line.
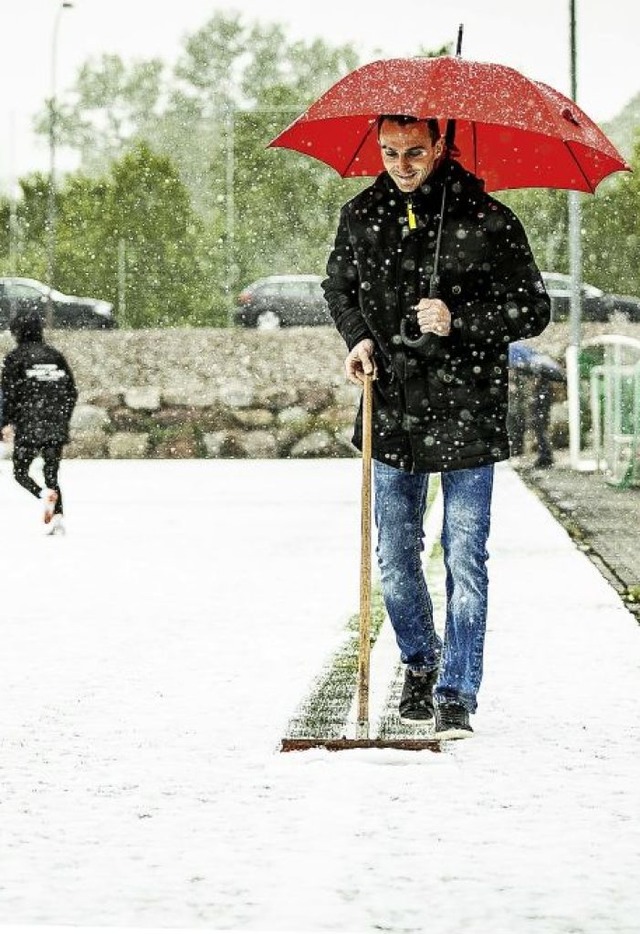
[400, 501]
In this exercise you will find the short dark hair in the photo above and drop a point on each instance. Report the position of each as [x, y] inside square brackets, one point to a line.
[406, 120]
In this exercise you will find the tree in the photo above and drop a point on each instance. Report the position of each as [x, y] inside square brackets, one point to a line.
[611, 243]
[112, 105]
[148, 216]
[544, 214]
[31, 223]
[232, 90]
[131, 233]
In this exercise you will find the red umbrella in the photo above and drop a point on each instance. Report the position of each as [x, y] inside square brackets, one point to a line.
[510, 131]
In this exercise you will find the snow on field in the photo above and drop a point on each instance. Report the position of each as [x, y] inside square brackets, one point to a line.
[151, 659]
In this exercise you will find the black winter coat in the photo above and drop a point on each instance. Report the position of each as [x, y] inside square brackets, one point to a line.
[442, 406]
[39, 394]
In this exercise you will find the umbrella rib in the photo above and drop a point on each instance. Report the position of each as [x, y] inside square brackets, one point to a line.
[474, 135]
[357, 151]
[591, 187]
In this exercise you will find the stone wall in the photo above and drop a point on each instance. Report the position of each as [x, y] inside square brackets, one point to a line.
[227, 393]
[208, 393]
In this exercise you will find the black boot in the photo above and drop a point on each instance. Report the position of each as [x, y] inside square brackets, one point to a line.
[452, 722]
[416, 702]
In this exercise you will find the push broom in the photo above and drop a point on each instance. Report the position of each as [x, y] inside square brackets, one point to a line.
[362, 738]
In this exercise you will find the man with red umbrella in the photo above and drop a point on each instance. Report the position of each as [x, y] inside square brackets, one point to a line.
[429, 280]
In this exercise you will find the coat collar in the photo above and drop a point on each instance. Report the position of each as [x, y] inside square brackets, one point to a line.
[462, 186]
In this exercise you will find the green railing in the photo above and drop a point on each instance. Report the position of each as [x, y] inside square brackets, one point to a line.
[609, 374]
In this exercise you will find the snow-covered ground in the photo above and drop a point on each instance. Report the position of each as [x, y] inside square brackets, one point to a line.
[149, 663]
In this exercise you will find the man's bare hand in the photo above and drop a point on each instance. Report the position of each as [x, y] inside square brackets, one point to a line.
[433, 317]
[6, 434]
[360, 362]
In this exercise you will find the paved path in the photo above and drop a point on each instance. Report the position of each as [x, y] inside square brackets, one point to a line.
[604, 519]
[150, 662]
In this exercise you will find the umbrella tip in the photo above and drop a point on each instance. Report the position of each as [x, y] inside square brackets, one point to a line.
[459, 42]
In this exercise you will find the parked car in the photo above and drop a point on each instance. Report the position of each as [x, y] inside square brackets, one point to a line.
[69, 311]
[596, 305]
[285, 301]
[282, 301]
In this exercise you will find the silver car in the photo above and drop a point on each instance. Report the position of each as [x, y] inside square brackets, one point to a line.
[55, 308]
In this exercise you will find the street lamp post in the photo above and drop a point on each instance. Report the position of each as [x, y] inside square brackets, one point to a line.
[575, 264]
[231, 213]
[53, 116]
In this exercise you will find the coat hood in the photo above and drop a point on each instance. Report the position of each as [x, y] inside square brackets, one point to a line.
[26, 326]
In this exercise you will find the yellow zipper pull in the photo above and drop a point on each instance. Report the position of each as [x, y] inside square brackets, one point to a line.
[411, 216]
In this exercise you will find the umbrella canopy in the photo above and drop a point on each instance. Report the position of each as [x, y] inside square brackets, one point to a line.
[510, 131]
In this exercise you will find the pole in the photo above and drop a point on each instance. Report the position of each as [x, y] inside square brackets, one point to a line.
[231, 214]
[13, 208]
[51, 200]
[122, 280]
[575, 269]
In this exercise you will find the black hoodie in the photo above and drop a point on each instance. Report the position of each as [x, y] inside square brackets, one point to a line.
[38, 388]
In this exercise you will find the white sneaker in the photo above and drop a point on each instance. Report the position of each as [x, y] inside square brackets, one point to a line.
[56, 526]
[49, 499]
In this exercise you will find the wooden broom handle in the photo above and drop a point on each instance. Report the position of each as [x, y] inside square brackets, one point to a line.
[364, 646]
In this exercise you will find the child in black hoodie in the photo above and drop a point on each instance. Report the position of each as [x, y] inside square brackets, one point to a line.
[39, 395]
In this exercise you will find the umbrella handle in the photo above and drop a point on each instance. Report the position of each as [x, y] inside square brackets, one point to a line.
[409, 341]
[422, 340]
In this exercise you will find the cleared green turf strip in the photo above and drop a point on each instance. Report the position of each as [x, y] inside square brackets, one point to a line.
[324, 711]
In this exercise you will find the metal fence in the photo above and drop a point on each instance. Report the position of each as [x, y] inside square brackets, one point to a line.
[609, 397]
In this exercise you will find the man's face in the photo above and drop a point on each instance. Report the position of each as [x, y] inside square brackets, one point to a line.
[408, 154]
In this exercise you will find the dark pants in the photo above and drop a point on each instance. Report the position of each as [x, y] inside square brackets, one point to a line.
[530, 401]
[23, 457]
